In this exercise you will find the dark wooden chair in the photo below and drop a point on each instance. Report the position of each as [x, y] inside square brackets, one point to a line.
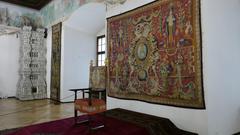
[89, 105]
[96, 100]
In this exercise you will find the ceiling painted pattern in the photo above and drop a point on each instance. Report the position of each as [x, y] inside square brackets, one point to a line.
[35, 4]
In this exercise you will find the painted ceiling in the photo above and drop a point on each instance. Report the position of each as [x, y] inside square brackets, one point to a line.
[35, 4]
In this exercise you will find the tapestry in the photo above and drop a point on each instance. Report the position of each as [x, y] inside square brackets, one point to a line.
[154, 54]
[56, 62]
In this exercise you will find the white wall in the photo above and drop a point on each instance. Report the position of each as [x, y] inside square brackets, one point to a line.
[9, 55]
[79, 46]
[102, 32]
[89, 18]
[221, 53]
[77, 51]
[221, 50]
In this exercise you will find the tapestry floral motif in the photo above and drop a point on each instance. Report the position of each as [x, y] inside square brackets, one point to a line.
[155, 54]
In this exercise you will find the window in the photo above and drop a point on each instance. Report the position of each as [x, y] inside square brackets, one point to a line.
[101, 50]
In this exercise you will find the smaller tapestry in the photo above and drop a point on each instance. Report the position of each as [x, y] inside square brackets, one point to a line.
[56, 62]
[154, 54]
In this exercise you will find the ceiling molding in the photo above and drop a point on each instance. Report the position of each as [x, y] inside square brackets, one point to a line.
[34, 4]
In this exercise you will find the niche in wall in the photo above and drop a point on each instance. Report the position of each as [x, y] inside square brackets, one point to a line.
[79, 47]
[32, 71]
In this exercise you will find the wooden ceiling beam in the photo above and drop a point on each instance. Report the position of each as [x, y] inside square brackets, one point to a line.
[34, 4]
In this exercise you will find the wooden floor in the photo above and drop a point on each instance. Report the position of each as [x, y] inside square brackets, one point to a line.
[15, 113]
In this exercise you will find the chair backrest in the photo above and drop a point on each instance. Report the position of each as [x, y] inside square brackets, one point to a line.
[97, 77]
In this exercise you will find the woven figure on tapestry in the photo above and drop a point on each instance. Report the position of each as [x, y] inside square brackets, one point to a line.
[154, 54]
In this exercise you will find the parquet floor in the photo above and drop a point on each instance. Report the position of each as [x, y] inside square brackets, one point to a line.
[15, 113]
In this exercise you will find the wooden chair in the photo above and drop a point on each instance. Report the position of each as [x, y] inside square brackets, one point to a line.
[89, 105]
[96, 101]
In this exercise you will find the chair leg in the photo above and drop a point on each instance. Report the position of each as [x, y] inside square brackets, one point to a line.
[96, 127]
[75, 113]
[76, 118]
[104, 117]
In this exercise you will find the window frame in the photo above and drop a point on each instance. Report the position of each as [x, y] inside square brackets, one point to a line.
[100, 52]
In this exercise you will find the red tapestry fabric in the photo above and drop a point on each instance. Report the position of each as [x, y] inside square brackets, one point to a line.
[154, 54]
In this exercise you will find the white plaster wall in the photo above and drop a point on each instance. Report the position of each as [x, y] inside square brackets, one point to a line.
[221, 51]
[9, 55]
[77, 50]
[186, 119]
[102, 32]
[79, 47]
[89, 18]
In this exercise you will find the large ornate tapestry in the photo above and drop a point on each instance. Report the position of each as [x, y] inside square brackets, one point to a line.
[154, 54]
[56, 62]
